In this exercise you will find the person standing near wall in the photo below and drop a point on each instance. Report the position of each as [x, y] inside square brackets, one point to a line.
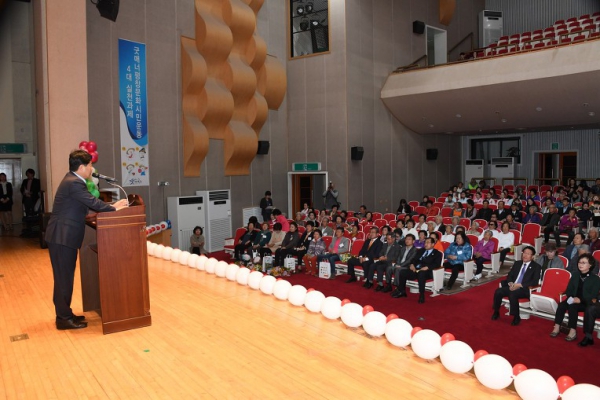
[30, 189]
[330, 196]
[6, 202]
[266, 206]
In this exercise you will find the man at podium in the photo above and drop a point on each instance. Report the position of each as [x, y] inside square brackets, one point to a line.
[65, 231]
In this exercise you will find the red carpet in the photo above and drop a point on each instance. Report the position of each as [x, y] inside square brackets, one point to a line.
[467, 316]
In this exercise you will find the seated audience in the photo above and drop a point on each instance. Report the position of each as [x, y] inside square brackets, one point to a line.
[290, 241]
[567, 224]
[353, 229]
[473, 229]
[421, 224]
[501, 212]
[420, 242]
[506, 239]
[261, 239]
[366, 257]
[511, 222]
[403, 208]
[302, 247]
[456, 255]
[533, 195]
[457, 211]
[531, 203]
[279, 217]
[582, 289]
[339, 245]
[362, 211]
[592, 312]
[421, 268]
[485, 212]
[315, 249]
[469, 210]
[439, 224]
[326, 230]
[311, 217]
[197, 241]
[299, 220]
[409, 228]
[384, 231]
[491, 227]
[305, 211]
[387, 255]
[405, 257]
[277, 237]
[549, 222]
[564, 206]
[575, 249]
[523, 274]
[245, 241]
[482, 252]
[584, 215]
[448, 236]
[550, 259]
[532, 217]
[592, 240]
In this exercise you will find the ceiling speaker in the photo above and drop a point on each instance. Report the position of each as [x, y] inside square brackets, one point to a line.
[356, 153]
[418, 27]
[263, 147]
[432, 154]
[109, 9]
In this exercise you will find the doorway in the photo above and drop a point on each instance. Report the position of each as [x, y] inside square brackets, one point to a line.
[437, 46]
[12, 168]
[305, 188]
[556, 168]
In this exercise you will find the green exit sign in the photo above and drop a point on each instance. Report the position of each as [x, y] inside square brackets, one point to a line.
[554, 146]
[13, 148]
[299, 167]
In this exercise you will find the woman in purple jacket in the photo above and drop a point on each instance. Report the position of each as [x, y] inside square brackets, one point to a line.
[483, 252]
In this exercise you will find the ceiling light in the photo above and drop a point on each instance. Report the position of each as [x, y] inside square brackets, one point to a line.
[591, 113]
[458, 116]
[503, 120]
[538, 108]
[586, 104]
[431, 125]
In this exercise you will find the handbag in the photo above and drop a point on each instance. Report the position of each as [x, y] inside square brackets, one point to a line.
[324, 269]
[289, 263]
[267, 263]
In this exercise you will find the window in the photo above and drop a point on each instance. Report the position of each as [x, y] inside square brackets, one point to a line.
[486, 149]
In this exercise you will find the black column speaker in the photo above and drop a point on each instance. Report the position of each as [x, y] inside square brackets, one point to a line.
[432, 154]
[108, 9]
[356, 153]
[263, 147]
[418, 27]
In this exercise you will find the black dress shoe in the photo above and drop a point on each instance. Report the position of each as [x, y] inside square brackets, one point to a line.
[387, 289]
[397, 293]
[352, 279]
[379, 288]
[516, 320]
[421, 298]
[63, 324]
[495, 315]
[368, 285]
[586, 342]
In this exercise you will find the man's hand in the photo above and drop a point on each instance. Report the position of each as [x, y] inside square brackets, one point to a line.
[123, 203]
[412, 268]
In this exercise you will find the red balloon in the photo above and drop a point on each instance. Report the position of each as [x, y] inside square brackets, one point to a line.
[391, 317]
[309, 290]
[415, 330]
[367, 309]
[94, 155]
[518, 368]
[447, 337]
[91, 146]
[83, 148]
[83, 144]
[480, 353]
[345, 301]
[564, 382]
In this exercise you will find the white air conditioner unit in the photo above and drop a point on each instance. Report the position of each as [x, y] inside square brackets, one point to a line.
[503, 167]
[473, 169]
[185, 213]
[490, 27]
[217, 214]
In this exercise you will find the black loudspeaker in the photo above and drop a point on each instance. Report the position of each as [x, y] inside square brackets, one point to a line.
[356, 153]
[419, 27]
[263, 147]
[108, 9]
[432, 154]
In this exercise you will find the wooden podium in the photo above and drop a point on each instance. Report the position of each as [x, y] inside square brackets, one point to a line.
[114, 268]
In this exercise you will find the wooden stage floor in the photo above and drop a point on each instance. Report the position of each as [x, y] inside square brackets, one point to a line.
[210, 338]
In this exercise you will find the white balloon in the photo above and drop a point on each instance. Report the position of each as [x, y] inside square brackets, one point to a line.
[175, 255]
[281, 290]
[582, 391]
[535, 384]
[211, 265]
[374, 323]
[494, 371]
[313, 301]
[192, 260]
[166, 253]
[398, 332]
[183, 258]
[297, 295]
[267, 283]
[221, 268]
[231, 272]
[426, 344]
[151, 247]
[201, 263]
[254, 279]
[352, 315]
[158, 250]
[242, 276]
[331, 307]
[457, 356]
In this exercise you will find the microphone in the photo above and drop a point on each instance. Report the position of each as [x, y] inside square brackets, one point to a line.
[106, 178]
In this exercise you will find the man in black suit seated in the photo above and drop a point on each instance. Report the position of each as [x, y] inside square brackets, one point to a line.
[387, 255]
[65, 232]
[501, 212]
[485, 212]
[523, 275]
[366, 257]
[550, 222]
[405, 257]
[421, 268]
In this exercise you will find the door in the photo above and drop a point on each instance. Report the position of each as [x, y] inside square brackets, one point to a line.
[302, 192]
[556, 168]
[12, 168]
[437, 46]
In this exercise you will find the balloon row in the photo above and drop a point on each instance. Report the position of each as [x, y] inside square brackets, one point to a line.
[492, 370]
[154, 229]
[91, 147]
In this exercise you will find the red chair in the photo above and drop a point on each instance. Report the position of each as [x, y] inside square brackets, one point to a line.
[447, 220]
[545, 188]
[421, 210]
[494, 264]
[545, 300]
[441, 199]
[509, 187]
[446, 211]
[380, 223]
[466, 222]
[327, 240]
[355, 248]
[413, 204]
[532, 187]
[301, 230]
[360, 235]
[482, 223]
[428, 219]
[377, 215]
[390, 217]
[517, 248]
[229, 245]
[438, 205]
[532, 236]
[596, 255]
[351, 220]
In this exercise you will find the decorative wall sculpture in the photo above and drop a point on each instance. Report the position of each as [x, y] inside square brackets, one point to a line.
[228, 84]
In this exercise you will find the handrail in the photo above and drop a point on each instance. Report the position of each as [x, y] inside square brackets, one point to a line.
[470, 35]
[412, 64]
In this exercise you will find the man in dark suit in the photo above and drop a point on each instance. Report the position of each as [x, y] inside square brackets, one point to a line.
[387, 255]
[523, 274]
[485, 212]
[501, 212]
[65, 231]
[366, 257]
[405, 257]
[549, 222]
[421, 268]
[30, 190]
